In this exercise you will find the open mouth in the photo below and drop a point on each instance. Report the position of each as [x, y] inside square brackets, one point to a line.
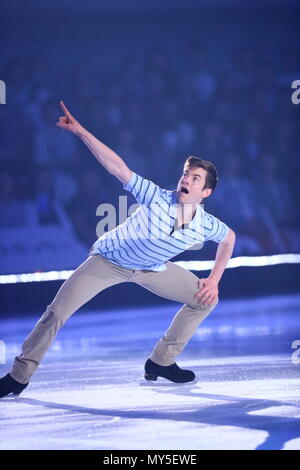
[184, 190]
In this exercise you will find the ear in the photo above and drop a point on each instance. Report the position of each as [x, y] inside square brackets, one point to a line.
[206, 192]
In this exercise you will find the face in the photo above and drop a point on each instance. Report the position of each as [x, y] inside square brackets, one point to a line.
[190, 186]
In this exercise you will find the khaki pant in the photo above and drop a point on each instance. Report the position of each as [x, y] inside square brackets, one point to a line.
[95, 275]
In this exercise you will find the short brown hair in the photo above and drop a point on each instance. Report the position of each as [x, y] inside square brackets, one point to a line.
[211, 171]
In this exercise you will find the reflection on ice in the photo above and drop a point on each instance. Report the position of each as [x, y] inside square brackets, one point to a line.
[89, 392]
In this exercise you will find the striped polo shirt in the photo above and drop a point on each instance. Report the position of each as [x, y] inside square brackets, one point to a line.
[149, 238]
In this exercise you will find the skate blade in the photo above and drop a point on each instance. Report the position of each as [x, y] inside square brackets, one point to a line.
[161, 382]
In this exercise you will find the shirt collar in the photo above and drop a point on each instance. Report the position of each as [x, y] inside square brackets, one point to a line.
[197, 219]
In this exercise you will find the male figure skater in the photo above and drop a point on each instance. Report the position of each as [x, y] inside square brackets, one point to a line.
[138, 250]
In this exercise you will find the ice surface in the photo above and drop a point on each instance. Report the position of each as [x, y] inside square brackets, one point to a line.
[89, 391]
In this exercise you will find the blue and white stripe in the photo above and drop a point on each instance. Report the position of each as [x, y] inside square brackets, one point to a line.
[143, 241]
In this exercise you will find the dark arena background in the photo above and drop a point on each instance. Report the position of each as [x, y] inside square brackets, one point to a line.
[156, 81]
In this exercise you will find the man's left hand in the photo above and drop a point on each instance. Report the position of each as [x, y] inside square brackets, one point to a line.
[208, 291]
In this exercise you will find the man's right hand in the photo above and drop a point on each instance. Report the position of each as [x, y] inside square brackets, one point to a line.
[68, 122]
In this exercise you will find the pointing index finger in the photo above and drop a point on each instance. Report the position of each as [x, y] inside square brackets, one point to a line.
[63, 107]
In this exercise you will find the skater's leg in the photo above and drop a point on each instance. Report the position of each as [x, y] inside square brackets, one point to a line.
[180, 285]
[91, 277]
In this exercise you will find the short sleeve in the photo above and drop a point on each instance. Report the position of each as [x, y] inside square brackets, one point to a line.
[216, 230]
[145, 191]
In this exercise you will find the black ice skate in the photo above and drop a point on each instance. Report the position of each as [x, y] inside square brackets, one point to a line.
[9, 385]
[172, 372]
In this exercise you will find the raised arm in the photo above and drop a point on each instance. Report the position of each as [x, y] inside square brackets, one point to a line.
[107, 157]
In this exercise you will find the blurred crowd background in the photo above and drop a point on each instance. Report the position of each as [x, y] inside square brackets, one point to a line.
[155, 108]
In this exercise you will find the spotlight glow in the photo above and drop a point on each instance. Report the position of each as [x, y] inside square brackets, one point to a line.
[239, 261]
